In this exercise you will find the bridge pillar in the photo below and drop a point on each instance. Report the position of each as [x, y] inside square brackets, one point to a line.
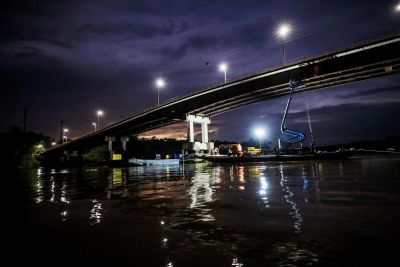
[204, 132]
[204, 144]
[110, 140]
[190, 134]
[124, 139]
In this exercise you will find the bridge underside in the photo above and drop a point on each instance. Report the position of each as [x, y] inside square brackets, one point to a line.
[367, 61]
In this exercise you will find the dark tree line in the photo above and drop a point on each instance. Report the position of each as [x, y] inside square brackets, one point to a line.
[21, 149]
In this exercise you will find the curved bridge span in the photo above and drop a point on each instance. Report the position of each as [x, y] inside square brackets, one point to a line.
[358, 62]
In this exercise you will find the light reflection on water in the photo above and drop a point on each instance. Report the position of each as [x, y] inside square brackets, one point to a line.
[257, 211]
[201, 193]
[288, 197]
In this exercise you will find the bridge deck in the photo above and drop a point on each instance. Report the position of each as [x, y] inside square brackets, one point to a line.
[364, 61]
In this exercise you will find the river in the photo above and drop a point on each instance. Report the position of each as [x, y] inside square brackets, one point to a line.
[322, 213]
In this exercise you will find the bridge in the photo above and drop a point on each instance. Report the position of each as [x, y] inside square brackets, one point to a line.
[363, 61]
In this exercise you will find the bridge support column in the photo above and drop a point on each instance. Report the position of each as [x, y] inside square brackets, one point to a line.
[204, 132]
[124, 139]
[204, 145]
[190, 136]
[110, 140]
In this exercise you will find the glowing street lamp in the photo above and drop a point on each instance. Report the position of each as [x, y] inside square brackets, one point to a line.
[223, 68]
[99, 113]
[95, 126]
[160, 83]
[260, 133]
[53, 143]
[65, 136]
[283, 31]
[397, 8]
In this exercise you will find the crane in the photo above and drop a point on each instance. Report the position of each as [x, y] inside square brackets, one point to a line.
[288, 135]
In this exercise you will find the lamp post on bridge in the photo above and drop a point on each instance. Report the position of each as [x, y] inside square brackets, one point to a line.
[95, 126]
[65, 136]
[160, 83]
[397, 8]
[99, 113]
[283, 30]
[223, 67]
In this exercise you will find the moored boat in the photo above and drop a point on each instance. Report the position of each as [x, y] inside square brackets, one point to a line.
[150, 162]
[277, 157]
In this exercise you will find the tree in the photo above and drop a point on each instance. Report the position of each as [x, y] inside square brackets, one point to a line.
[21, 149]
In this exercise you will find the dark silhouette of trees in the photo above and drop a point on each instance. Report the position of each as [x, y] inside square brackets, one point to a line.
[21, 149]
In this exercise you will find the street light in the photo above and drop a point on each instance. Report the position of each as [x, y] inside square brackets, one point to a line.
[160, 83]
[223, 68]
[283, 30]
[397, 8]
[65, 135]
[260, 133]
[99, 113]
[95, 126]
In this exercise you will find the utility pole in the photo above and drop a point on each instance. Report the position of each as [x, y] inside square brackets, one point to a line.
[25, 117]
[62, 131]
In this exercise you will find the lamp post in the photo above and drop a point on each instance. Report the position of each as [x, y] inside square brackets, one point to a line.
[223, 68]
[397, 8]
[160, 83]
[282, 32]
[65, 135]
[99, 113]
[95, 126]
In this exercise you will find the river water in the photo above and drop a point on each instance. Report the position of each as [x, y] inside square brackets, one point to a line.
[326, 213]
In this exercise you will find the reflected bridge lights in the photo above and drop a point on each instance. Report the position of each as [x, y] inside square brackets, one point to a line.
[263, 190]
[236, 263]
[39, 186]
[263, 186]
[164, 241]
[64, 215]
[95, 212]
[201, 193]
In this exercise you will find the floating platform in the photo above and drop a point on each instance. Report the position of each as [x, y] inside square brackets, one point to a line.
[270, 158]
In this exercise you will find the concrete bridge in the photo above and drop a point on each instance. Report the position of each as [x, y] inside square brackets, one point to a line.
[355, 63]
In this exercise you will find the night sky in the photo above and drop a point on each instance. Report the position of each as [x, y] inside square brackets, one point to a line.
[65, 59]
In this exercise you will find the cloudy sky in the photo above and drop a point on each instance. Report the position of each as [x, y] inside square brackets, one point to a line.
[65, 59]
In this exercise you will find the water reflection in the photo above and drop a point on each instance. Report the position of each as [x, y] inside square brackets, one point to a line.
[39, 186]
[95, 212]
[311, 184]
[225, 209]
[201, 193]
[263, 190]
[236, 263]
[117, 183]
[288, 197]
[64, 215]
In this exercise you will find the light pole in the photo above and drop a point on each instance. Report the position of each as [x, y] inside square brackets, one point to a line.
[223, 68]
[397, 8]
[160, 83]
[99, 113]
[260, 133]
[95, 126]
[65, 136]
[282, 32]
